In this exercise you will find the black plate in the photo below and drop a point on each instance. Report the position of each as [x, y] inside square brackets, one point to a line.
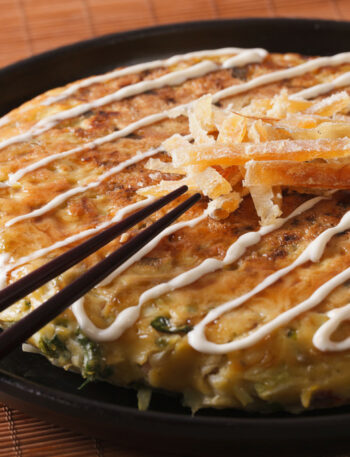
[28, 382]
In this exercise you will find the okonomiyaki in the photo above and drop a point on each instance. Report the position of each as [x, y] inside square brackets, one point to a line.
[245, 301]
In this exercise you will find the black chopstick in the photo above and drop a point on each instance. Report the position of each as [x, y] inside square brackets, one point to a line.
[23, 329]
[50, 270]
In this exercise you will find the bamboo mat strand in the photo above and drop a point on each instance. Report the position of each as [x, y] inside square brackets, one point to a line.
[28, 27]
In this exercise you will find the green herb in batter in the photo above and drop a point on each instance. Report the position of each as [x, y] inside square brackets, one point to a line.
[292, 333]
[53, 347]
[85, 383]
[93, 363]
[163, 324]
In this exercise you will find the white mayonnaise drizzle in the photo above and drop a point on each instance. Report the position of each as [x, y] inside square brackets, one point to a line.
[128, 316]
[170, 79]
[145, 121]
[275, 76]
[4, 120]
[7, 267]
[152, 244]
[235, 251]
[176, 77]
[313, 253]
[245, 57]
[322, 338]
[3, 273]
[59, 199]
[320, 89]
[148, 120]
[240, 59]
[139, 68]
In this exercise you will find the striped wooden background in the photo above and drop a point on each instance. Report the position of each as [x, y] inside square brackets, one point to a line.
[28, 27]
[23, 436]
[31, 26]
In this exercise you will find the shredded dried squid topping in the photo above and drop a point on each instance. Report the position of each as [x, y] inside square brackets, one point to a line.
[267, 146]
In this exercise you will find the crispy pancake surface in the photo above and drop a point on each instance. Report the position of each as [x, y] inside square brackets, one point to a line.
[59, 202]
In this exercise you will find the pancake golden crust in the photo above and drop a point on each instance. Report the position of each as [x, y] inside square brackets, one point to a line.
[284, 368]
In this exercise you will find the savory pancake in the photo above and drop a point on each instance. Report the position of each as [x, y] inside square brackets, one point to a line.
[243, 302]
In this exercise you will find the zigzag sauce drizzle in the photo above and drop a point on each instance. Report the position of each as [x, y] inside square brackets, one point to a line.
[79, 189]
[313, 253]
[240, 59]
[319, 89]
[132, 69]
[169, 79]
[122, 321]
[148, 120]
[129, 316]
[139, 68]
[6, 267]
[322, 337]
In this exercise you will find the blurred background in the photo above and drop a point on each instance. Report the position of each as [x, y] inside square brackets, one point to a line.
[28, 27]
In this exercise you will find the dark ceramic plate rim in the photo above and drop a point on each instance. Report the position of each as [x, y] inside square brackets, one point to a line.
[20, 392]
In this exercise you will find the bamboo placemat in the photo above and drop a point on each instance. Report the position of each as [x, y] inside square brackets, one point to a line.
[28, 27]
[23, 436]
[31, 26]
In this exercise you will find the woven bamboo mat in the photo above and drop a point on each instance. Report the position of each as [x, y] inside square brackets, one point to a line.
[31, 26]
[28, 27]
[23, 436]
